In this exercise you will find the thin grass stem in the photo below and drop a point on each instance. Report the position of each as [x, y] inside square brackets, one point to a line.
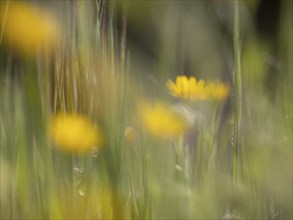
[237, 93]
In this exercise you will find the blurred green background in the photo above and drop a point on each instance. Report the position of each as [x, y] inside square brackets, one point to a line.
[235, 160]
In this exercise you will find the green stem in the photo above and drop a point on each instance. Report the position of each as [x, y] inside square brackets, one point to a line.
[214, 132]
[179, 149]
[237, 94]
[146, 206]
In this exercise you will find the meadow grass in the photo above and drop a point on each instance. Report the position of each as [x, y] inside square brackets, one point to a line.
[162, 157]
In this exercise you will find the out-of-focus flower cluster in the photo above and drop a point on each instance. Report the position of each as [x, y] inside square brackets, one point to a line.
[75, 133]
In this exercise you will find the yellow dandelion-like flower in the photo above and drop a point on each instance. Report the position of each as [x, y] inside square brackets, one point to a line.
[25, 28]
[161, 120]
[74, 133]
[217, 90]
[187, 88]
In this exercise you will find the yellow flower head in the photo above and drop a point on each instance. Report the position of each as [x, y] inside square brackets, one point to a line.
[217, 90]
[161, 120]
[187, 88]
[25, 28]
[74, 133]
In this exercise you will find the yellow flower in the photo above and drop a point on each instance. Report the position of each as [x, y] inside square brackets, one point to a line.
[161, 120]
[25, 28]
[187, 88]
[74, 133]
[197, 90]
[217, 90]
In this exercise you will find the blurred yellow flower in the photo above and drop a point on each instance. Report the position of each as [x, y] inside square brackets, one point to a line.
[89, 202]
[187, 88]
[217, 90]
[161, 120]
[74, 133]
[25, 28]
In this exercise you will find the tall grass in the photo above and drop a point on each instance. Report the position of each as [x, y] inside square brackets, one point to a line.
[233, 162]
